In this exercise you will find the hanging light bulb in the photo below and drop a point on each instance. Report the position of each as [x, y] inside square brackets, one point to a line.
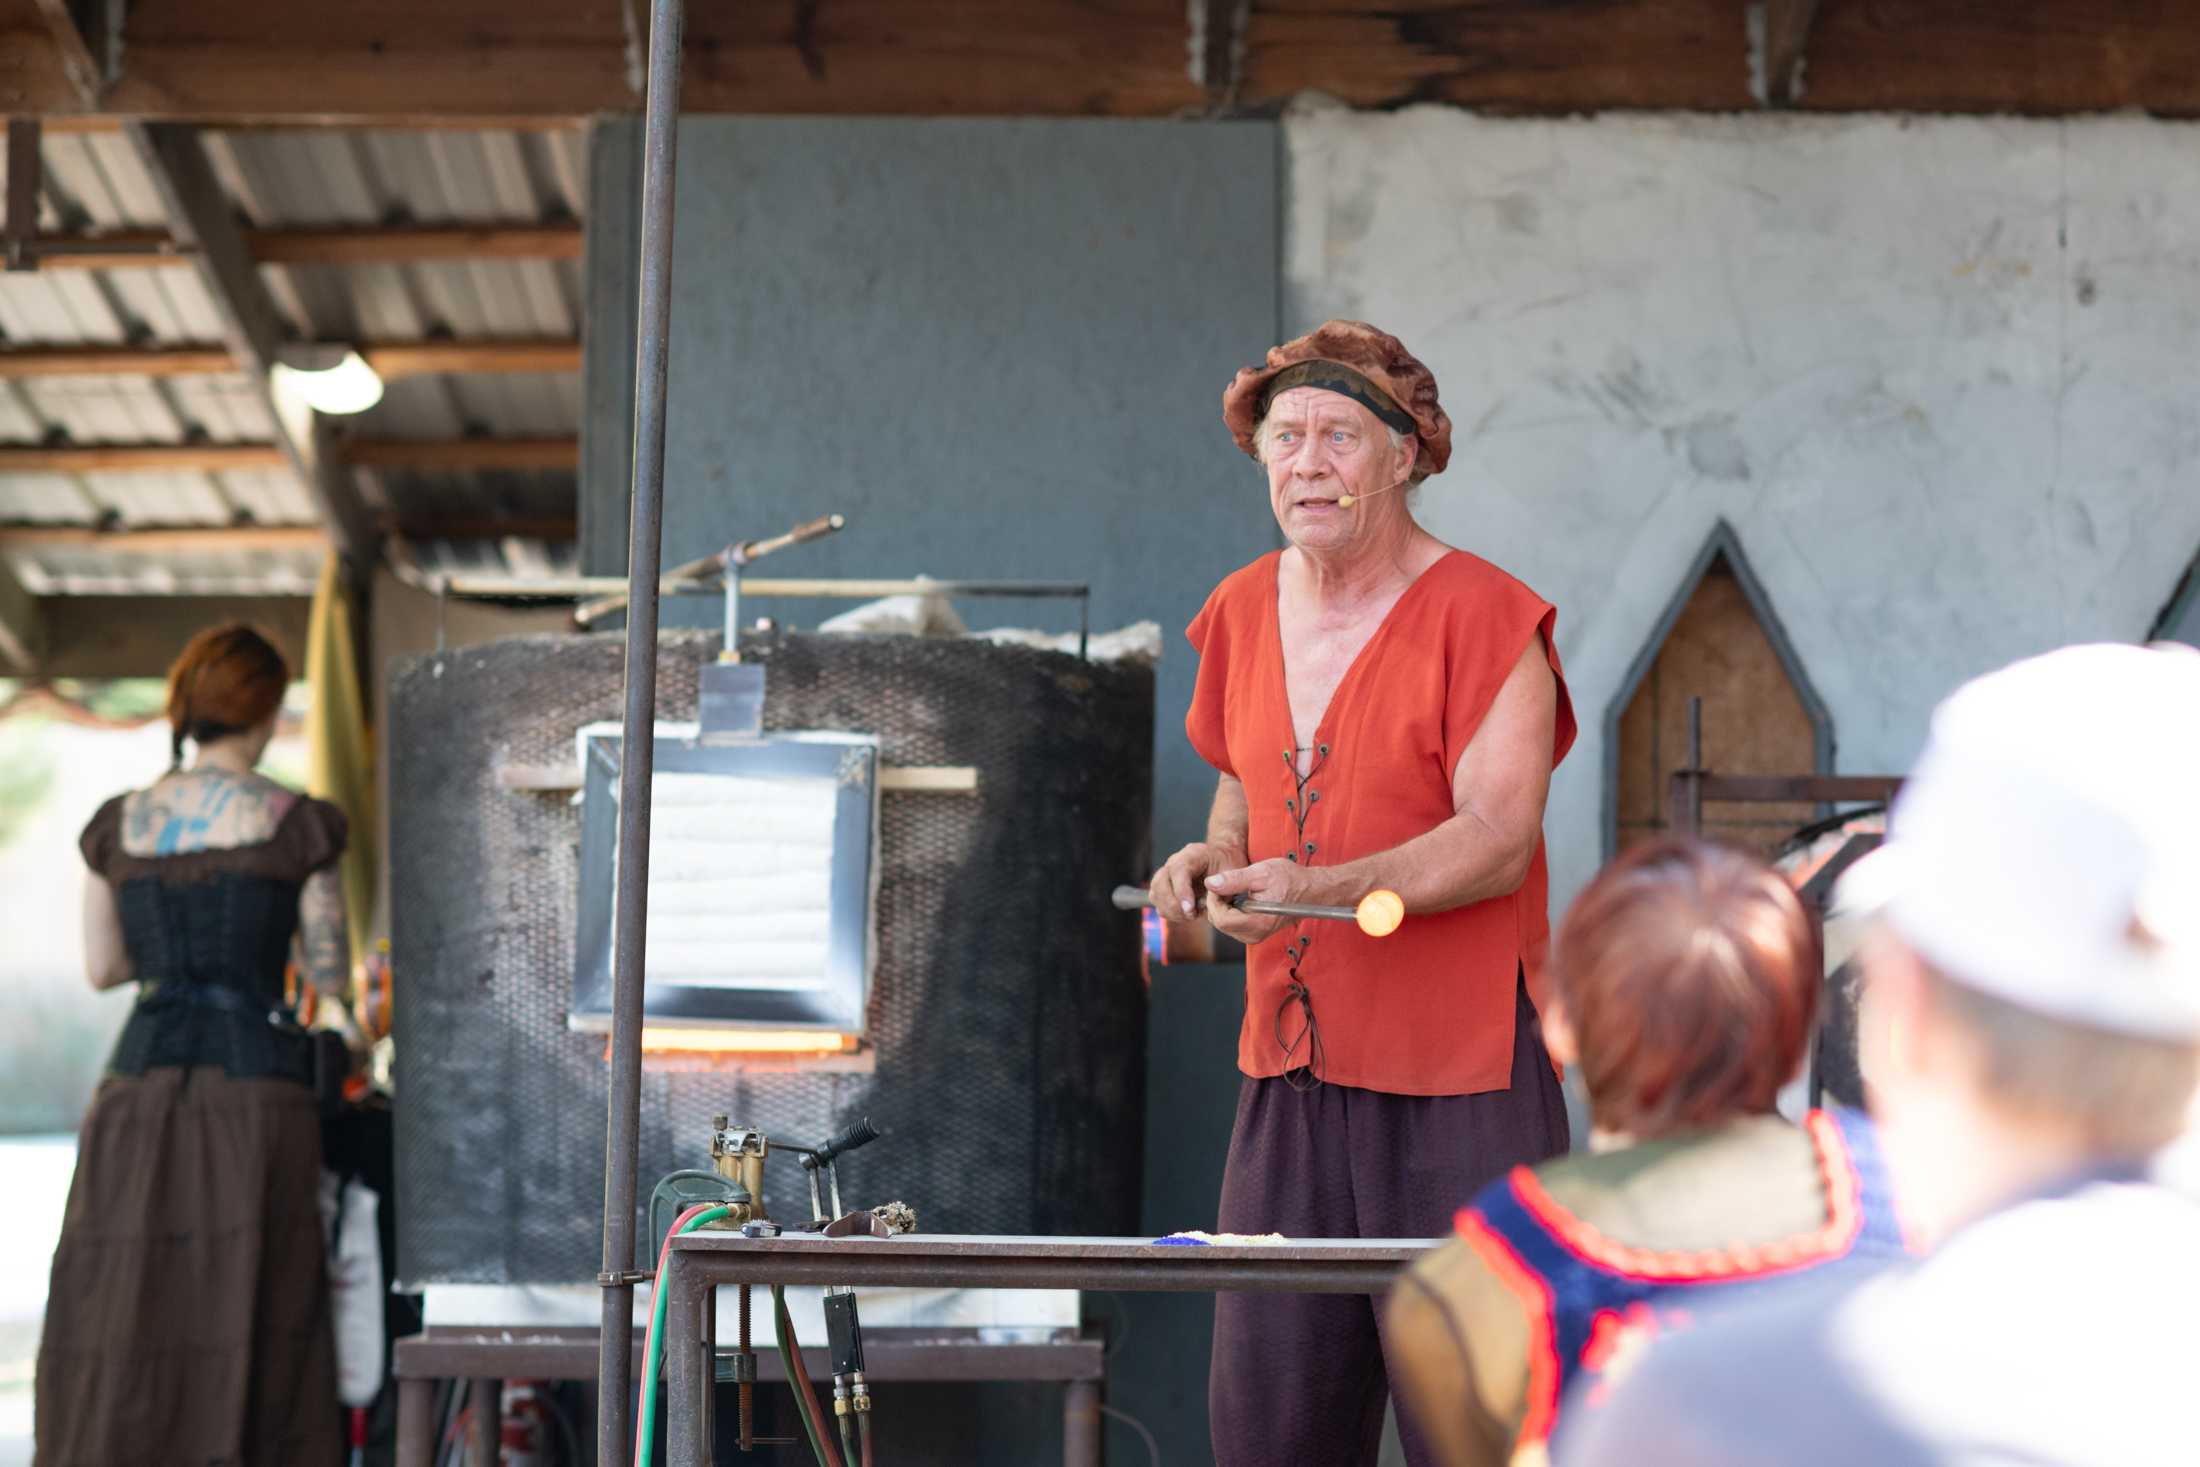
[328, 377]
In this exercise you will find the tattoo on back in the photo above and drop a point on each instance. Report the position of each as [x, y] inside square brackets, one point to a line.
[202, 810]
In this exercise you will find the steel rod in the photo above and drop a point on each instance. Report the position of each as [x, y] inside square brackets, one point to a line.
[710, 569]
[653, 324]
[1132, 898]
[697, 585]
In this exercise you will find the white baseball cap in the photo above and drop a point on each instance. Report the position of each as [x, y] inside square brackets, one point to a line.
[2046, 848]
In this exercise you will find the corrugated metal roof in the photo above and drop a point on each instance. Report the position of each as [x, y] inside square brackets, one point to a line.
[94, 181]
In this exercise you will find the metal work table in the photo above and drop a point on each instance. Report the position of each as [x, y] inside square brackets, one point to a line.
[489, 1356]
[699, 1263]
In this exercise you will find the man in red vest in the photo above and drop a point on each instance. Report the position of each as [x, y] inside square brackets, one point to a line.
[1383, 711]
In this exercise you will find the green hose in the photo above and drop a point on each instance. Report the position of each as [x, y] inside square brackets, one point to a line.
[645, 1441]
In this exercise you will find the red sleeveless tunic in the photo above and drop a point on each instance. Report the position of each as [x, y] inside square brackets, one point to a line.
[1429, 1009]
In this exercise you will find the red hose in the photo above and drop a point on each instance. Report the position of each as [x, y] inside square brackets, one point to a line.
[805, 1393]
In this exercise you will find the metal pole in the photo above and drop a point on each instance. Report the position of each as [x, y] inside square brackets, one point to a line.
[653, 320]
[685, 1293]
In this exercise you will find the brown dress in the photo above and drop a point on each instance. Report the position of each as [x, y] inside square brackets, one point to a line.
[188, 1320]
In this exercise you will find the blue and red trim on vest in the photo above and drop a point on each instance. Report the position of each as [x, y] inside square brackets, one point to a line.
[1592, 1301]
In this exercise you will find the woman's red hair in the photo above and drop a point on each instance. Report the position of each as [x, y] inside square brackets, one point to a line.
[226, 680]
[1690, 979]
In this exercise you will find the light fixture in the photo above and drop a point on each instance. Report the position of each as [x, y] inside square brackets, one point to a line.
[328, 377]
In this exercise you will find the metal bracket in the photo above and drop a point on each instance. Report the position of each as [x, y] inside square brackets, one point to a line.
[624, 1277]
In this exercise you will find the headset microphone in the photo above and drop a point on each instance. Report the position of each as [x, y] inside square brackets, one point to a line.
[1346, 501]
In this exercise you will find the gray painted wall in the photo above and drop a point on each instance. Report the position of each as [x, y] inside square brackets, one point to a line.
[1936, 372]
[1000, 349]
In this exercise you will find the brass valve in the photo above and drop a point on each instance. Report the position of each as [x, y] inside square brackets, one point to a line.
[737, 1153]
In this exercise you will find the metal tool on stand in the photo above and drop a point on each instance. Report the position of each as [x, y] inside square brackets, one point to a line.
[737, 1157]
[715, 565]
[730, 700]
[1378, 914]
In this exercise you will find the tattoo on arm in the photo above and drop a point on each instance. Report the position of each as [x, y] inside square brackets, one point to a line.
[324, 943]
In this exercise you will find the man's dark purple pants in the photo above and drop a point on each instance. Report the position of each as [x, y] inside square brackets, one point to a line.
[1301, 1378]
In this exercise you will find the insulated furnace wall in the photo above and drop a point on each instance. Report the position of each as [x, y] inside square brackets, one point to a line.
[1007, 1016]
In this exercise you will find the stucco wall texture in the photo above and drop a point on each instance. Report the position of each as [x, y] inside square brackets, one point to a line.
[1938, 374]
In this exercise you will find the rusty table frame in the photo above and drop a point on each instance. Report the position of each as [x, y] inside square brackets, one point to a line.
[698, 1264]
[484, 1357]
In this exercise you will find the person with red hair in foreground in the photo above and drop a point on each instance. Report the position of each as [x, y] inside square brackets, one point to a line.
[1684, 982]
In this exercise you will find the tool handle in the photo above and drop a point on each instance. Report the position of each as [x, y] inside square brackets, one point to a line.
[862, 1133]
[802, 534]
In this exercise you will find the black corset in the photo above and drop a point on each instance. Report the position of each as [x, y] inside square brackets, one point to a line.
[210, 954]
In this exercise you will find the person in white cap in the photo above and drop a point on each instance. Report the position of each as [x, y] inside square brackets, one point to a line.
[2031, 1038]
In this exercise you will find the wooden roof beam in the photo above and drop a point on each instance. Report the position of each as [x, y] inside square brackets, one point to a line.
[120, 249]
[200, 213]
[463, 453]
[87, 39]
[138, 458]
[390, 360]
[166, 539]
[239, 539]
[22, 625]
[1779, 37]
[380, 453]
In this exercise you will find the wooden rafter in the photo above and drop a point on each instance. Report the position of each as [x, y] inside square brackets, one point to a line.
[364, 245]
[235, 539]
[86, 71]
[390, 359]
[22, 624]
[464, 453]
[514, 62]
[200, 213]
[1778, 52]
[169, 540]
[138, 458]
[130, 636]
[419, 454]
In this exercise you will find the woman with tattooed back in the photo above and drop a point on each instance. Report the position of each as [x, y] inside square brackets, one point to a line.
[189, 1320]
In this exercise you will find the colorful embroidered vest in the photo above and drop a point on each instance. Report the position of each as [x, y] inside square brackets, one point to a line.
[1593, 1303]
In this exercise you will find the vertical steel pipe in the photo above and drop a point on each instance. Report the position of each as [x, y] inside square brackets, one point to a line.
[488, 1422]
[416, 1422]
[1083, 1432]
[687, 1443]
[653, 323]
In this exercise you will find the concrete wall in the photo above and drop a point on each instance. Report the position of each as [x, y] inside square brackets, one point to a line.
[1937, 373]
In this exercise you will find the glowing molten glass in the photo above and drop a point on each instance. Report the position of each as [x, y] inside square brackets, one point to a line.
[1380, 912]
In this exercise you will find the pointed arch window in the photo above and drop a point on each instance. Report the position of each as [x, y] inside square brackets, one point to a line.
[1718, 639]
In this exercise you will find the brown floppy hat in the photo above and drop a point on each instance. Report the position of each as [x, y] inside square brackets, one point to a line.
[1371, 367]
